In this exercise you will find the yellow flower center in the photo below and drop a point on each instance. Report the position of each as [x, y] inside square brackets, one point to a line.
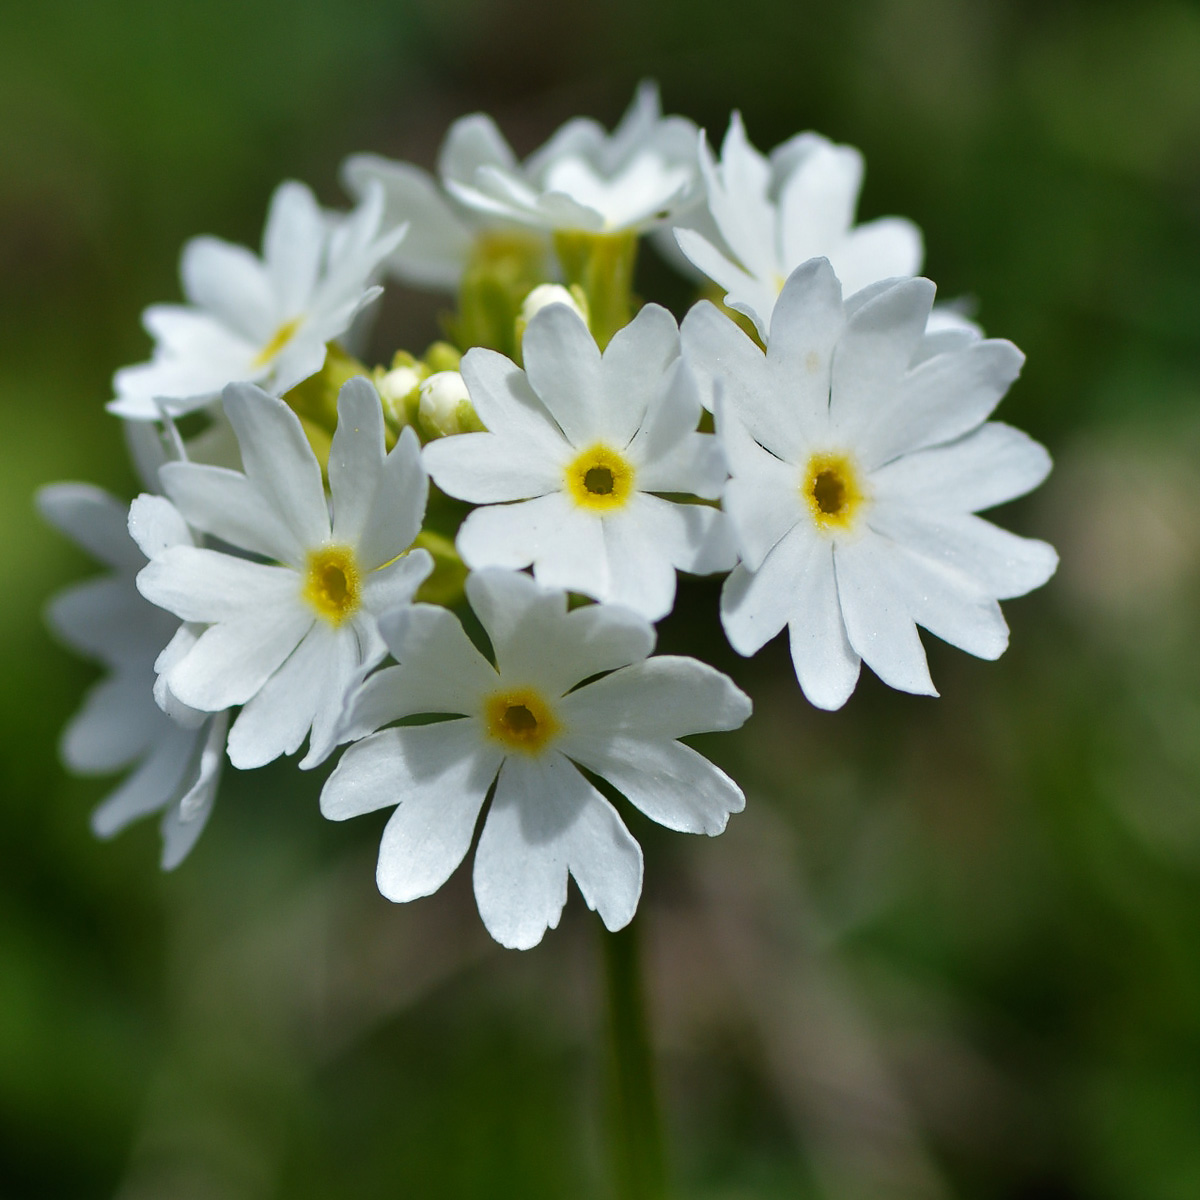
[600, 479]
[331, 583]
[278, 340]
[521, 720]
[834, 491]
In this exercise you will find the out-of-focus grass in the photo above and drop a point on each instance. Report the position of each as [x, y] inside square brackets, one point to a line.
[951, 949]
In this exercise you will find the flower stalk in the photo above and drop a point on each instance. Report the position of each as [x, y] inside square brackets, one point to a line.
[635, 1126]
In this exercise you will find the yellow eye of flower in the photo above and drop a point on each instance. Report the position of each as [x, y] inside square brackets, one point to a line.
[600, 479]
[521, 720]
[276, 342]
[331, 583]
[834, 491]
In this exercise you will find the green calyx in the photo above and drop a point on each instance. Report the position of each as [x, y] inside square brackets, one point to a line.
[601, 265]
[503, 269]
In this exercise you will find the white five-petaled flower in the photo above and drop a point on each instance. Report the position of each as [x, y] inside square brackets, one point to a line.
[860, 452]
[583, 178]
[288, 638]
[525, 724]
[775, 213]
[176, 754]
[579, 442]
[263, 321]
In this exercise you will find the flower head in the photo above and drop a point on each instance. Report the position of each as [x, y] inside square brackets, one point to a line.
[526, 725]
[264, 321]
[582, 179]
[577, 446]
[175, 751]
[287, 638]
[772, 214]
[860, 452]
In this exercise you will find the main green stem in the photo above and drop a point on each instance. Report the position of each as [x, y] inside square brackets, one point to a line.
[639, 1163]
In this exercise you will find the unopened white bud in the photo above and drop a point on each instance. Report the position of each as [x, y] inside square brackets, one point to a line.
[398, 390]
[445, 406]
[552, 293]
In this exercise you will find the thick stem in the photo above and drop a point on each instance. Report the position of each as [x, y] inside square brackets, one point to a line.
[639, 1163]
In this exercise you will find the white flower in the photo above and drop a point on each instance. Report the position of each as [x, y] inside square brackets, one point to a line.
[774, 214]
[264, 320]
[176, 758]
[288, 641]
[859, 455]
[583, 178]
[581, 442]
[521, 725]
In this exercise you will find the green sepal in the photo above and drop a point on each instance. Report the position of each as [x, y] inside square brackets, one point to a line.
[503, 269]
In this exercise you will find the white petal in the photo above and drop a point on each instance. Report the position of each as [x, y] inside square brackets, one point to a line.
[155, 524]
[229, 282]
[231, 661]
[356, 460]
[562, 363]
[657, 699]
[878, 624]
[505, 403]
[473, 142]
[156, 782]
[535, 638]
[670, 782]
[106, 619]
[806, 325]
[743, 292]
[763, 497]
[440, 672]
[756, 605]
[276, 719]
[826, 665]
[817, 201]
[486, 468]
[872, 357]
[1001, 563]
[993, 464]
[116, 723]
[226, 504]
[885, 249]
[439, 241]
[638, 369]
[564, 543]
[440, 775]
[184, 822]
[293, 244]
[722, 357]
[943, 398]
[279, 461]
[91, 518]
[397, 583]
[546, 821]
[207, 585]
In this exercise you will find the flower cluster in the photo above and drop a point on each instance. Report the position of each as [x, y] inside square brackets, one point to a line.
[814, 430]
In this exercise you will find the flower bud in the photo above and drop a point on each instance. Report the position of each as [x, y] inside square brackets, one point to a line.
[445, 406]
[552, 293]
[399, 389]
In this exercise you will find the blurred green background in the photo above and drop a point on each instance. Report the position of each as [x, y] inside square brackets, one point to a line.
[952, 948]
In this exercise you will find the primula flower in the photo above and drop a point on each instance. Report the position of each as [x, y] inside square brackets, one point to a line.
[288, 640]
[580, 442]
[263, 321]
[526, 725]
[582, 179]
[176, 758]
[775, 213]
[859, 455]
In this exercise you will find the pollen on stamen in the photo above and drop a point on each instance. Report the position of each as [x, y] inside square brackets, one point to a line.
[600, 478]
[331, 583]
[521, 720]
[832, 487]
